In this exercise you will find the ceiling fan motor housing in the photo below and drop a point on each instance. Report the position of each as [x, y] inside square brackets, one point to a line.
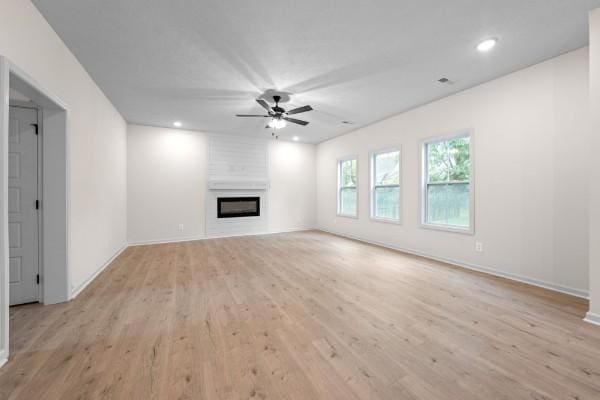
[277, 109]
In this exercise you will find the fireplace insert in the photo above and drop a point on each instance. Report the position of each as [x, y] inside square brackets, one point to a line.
[236, 207]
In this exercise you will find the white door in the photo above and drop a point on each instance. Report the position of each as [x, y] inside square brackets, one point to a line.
[22, 206]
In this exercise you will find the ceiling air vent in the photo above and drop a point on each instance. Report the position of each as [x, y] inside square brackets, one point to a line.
[446, 81]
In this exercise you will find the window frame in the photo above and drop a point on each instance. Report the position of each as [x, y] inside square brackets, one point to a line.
[469, 230]
[340, 187]
[372, 172]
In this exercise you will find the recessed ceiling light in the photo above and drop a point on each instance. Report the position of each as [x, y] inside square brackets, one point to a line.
[177, 124]
[295, 138]
[487, 45]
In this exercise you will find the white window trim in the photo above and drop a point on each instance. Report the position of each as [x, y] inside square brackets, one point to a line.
[339, 187]
[372, 186]
[470, 230]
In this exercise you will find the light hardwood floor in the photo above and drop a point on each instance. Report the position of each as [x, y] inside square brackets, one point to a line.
[300, 316]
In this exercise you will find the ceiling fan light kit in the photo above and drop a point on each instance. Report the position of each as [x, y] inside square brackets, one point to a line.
[278, 115]
[277, 123]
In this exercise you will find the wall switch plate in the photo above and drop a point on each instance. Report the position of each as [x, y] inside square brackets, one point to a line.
[180, 227]
[479, 247]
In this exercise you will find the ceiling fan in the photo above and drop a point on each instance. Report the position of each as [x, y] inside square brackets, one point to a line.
[278, 115]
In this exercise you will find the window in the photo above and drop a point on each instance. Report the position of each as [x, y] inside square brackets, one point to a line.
[385, 185]
[347, 187]
[447, 184]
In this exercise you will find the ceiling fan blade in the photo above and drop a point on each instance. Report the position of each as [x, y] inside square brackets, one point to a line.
[299, 110]
[252, 115]
[296, 121]
[264, 104]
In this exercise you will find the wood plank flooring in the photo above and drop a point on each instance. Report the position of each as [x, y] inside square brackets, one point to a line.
[300, 316]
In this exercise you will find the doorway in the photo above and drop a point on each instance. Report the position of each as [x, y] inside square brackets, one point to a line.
[20, 223]
[23, 204]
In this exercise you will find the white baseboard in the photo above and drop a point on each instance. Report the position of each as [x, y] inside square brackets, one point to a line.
[167, 240]
[491, 271]
[3, 358]
[75, 292]
[592, 318]
[207, 237]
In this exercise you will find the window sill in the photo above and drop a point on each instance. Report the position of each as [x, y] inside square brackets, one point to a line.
[449, 228]
[387, 220]
[347, 216]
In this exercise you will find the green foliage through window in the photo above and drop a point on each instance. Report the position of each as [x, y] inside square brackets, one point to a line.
[387, 202]
[348, 168]
[386, 185]
[448, 204]
[448, 187]
[449, 160]
[347, 193]
[387, 168]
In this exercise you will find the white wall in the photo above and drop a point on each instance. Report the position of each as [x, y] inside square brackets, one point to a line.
[293, 195]
[166, 177]
[530, 132]
[594, 314]
[167, 184]
[96, 138]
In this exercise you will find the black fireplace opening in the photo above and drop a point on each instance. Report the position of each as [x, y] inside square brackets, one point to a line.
[235, 207]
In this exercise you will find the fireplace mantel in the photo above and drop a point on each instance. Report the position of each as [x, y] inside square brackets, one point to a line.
[238, 184]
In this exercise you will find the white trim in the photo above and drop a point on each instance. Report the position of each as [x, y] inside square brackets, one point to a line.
[166, 240]
[3, 358]
[208, 237]
[372, 171]
[592, 318]
[290, 230]
[75, 292]
[347, 216]
[447, 228]
[474, 267]
[339, 187]
[470, 230]
[53, 101]
[238, 184]
[387, 220]
[4, 249]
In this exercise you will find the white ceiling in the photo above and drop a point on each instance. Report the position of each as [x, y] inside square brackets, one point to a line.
[202, 62]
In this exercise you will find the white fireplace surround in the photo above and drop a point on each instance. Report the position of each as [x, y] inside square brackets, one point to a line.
[238, 167]
[239, 225]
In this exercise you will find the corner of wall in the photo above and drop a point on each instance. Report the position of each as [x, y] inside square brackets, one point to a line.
[594, 178]
[592, 318]
[3, 358]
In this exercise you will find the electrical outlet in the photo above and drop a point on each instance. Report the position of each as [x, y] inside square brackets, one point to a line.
[180, 227]
[479, 247]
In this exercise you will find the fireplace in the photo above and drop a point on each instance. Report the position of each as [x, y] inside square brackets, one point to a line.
[236, 207]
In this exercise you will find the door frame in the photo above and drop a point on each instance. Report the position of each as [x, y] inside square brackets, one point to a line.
[55, 225]
[39, 187]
